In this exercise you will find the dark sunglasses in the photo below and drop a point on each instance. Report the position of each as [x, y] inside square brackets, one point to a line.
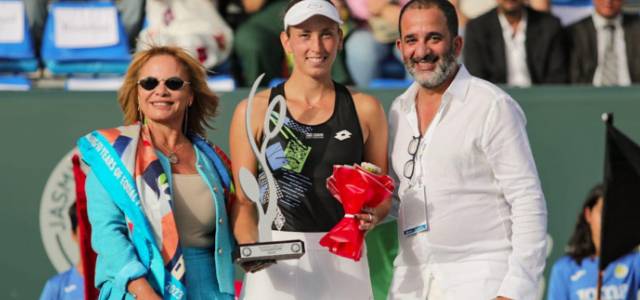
[172, 83]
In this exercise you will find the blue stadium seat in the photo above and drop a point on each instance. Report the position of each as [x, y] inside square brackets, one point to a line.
[570, 11]
[17, 55]
[14, 83]
[391, 67]
[392, 75]
[62, 59]
[221, 83]
[390, 83]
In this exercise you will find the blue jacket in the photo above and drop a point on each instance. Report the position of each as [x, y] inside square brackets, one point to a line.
[118, 262]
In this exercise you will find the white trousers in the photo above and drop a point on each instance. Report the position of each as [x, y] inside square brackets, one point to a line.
[318, 274]
[452, 281]
[434, 291]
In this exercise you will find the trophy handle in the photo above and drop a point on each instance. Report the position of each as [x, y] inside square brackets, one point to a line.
[249, 185]
[251, 189]
[247, 117]
[270, 133]
[266, 218]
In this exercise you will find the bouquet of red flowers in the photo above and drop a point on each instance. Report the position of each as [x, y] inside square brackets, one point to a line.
[355, 187]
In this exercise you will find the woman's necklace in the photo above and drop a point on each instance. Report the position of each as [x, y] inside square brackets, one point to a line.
[172, 154]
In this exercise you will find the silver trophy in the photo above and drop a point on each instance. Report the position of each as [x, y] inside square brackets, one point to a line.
[266, 249]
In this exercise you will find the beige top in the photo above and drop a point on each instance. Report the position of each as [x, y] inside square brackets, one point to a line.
[194, 211]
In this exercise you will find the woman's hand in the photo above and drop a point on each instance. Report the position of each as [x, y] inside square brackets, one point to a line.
[367, 218]
[141, 288]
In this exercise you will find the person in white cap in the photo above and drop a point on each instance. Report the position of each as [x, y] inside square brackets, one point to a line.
[325, 124]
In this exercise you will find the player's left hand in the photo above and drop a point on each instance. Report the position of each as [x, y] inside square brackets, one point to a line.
[367, 218]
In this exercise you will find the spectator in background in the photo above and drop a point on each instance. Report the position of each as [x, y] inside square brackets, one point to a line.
[605, 47]
[132, 14]
[257, 39]
[470, 9]
[374, 39]
[68, 285]
[194, 25]
[540, 5]
[575, 275]
[516, 45]
[36, 16]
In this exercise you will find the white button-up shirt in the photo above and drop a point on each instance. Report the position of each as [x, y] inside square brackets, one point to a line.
[485, 208]
[516, 51]
[619, 45]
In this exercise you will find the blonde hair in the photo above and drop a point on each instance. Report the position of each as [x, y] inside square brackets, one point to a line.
[205, 101]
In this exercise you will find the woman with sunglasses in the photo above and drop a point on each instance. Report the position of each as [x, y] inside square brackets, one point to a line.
[325, 124]
[575, 275]
[157, 191]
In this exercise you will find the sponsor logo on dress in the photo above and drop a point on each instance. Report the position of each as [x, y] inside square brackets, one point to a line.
[314, 135]
[342, 135]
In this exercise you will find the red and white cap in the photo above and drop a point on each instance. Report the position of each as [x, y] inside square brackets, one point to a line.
[306, 9]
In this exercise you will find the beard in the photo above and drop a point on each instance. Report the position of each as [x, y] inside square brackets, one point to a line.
[445, 68]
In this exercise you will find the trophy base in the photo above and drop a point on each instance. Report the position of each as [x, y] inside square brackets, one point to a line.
[275, 250]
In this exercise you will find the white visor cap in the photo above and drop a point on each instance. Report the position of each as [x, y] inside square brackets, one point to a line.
[306, 9]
